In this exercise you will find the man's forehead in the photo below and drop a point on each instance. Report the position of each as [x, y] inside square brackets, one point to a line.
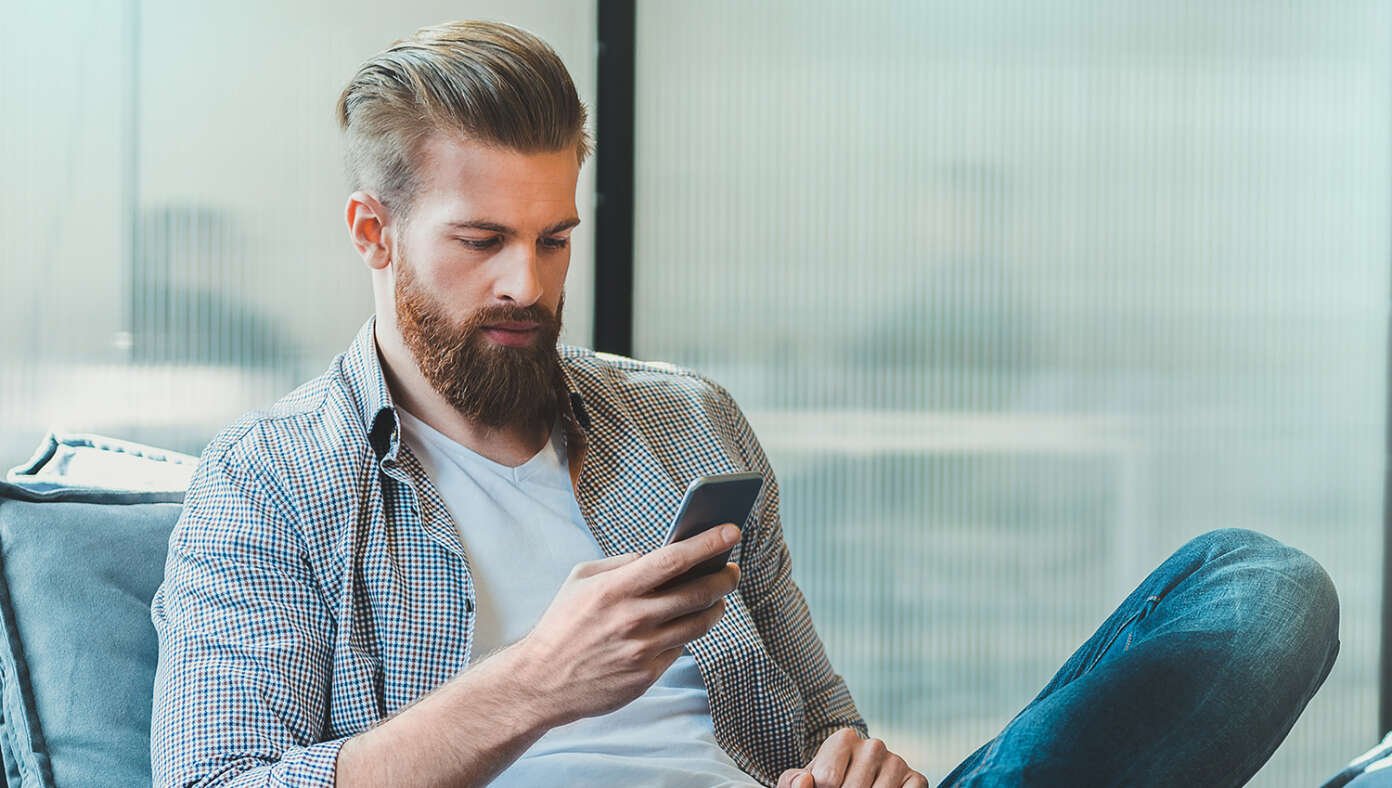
[469, 181]
[449, 156]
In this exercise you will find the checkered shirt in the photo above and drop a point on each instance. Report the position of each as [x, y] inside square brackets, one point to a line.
[316, 583]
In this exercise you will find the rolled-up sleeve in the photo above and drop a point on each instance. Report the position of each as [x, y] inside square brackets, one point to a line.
[245, 637]
[779, 609]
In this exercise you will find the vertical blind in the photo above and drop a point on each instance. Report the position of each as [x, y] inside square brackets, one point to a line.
[1019, 297]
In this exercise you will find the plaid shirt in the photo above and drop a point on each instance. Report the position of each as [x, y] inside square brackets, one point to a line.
[316, 582]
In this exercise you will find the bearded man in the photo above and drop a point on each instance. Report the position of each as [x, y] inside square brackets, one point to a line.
[442, 561]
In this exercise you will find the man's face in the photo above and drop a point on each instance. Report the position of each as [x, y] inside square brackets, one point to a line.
[479, 270]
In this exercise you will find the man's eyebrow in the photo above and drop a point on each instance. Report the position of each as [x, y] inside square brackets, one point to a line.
[502, 229]
[561, 226]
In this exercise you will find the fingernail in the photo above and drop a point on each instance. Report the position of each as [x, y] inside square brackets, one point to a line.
[730, 534]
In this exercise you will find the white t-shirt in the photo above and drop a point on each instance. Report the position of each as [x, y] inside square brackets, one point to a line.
[523, 532]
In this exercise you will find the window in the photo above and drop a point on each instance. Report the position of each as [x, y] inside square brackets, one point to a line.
[1019, 297]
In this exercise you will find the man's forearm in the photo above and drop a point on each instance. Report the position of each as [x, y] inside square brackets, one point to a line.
[464, 733]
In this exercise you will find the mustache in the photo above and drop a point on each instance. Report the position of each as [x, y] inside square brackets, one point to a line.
[502, 313]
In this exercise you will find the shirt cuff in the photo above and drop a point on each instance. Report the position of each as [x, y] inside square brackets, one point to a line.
[315, 765]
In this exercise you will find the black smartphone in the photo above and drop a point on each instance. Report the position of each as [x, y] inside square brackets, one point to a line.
[711, 501]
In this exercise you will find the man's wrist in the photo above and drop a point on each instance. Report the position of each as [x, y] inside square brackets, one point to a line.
[523, 680]
[469, 729]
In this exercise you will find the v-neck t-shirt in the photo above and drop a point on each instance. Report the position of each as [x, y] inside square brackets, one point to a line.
[523, 532]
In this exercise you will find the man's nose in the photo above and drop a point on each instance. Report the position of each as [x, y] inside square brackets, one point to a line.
[519, 281]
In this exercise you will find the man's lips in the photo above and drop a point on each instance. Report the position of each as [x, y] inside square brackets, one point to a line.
[512, 333]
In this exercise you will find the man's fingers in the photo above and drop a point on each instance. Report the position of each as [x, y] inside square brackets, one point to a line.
[590, 568]
[664, 659]
[845, 759]
[796, 778]
[834, 757]
[690, 596]
[894, 772]
[680, 631]
[866, 761]
[668, 562]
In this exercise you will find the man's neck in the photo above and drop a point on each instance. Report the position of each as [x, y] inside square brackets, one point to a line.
[508, 445]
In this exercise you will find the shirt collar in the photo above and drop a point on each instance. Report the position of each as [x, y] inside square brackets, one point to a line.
[363, 373]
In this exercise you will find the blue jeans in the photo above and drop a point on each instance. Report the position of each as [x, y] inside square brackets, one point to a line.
[1194, 680]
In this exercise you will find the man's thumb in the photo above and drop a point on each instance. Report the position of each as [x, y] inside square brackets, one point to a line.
[796, 778]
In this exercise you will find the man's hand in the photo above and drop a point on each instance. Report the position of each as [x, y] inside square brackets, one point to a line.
[845, 759]
[610, 633]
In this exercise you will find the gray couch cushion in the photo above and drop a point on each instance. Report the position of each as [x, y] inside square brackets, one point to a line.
[78, 567]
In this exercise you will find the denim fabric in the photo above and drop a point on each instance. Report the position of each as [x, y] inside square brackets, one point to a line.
[1194, 680]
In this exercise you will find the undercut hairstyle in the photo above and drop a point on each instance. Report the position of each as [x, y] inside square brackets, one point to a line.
[488, 82]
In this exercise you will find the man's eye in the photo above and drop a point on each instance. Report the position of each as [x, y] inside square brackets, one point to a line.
[480, 246]
[555, 243]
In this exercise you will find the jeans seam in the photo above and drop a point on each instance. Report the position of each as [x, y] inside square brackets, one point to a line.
[1140, 613]
[985, 758]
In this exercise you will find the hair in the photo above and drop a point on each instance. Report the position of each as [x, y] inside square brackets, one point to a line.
[489, 82]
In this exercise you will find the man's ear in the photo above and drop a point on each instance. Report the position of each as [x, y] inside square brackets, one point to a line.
[369, 228]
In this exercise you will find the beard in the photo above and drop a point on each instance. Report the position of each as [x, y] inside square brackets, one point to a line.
[491, 384]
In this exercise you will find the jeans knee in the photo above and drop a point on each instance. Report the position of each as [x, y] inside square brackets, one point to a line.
[1222, 541]
[1320, 621]
[1291, 585]
[1318, 611]
[1300, 640]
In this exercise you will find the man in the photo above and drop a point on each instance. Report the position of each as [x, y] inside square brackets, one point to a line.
[441, 562]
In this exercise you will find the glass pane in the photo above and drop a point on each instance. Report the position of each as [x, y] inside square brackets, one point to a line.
[174, 204]
[1020, 296]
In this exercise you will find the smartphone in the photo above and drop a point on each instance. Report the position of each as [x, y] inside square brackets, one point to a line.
[711, 501]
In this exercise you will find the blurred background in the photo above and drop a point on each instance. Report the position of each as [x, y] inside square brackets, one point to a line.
[1019, 294]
